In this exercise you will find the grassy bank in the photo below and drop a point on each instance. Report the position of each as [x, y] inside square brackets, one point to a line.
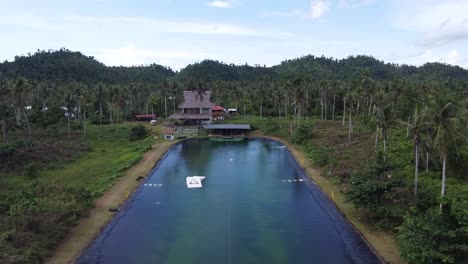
[39, 206]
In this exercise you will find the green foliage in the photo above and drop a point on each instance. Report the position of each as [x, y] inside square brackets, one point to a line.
[138, 132]
[45, 119]
[68, 65]
[380, 193]
[31, 170]
[301, 134]
[7, 151]
[432, 237]
[321, 155]
[36, 212]
[38, 217]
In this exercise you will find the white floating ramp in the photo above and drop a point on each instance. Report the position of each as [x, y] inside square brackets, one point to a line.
[194, 181]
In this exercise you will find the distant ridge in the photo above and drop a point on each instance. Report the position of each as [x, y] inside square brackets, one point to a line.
[66, 65]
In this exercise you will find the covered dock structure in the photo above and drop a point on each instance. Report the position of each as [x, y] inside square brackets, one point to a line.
[227, 131]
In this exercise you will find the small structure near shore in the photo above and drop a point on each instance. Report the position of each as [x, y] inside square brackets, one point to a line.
[232, 132]
[168, 133]
[147, 117]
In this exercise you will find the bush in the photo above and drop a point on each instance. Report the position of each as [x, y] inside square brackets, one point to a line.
[31, 170]
[381, 193]
[138, 132]
[7, 151]
[301, 134]
[432, 236]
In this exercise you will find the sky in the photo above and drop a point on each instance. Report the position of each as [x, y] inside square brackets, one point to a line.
[176, 33]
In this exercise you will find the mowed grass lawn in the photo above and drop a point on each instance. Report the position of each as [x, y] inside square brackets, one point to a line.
[110, 153]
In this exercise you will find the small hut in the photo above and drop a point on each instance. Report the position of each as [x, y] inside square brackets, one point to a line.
[168, 133]
[219, 113]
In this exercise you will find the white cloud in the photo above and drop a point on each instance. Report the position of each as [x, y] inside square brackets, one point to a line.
[318, 8]
[220, 4]
[354, 3]
[429, 55]
[133, 23]
[446, 33]
[181, 27]
[289, 13]
[437, 22]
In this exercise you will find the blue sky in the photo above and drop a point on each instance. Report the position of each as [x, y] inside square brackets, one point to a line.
[175, 33]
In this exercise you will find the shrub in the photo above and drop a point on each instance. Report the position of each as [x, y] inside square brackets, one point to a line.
[7, 151]
[432, 236]
[301, 134]
[381, 193]
[138, 132]
[31, 170]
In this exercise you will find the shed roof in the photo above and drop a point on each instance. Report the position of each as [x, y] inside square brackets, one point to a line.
[218, 108]
[228, 126]
[193, 99]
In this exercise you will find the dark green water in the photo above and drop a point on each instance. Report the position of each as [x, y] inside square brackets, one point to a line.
[256, 206]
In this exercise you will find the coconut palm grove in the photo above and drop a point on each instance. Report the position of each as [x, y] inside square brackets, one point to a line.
[390, 140]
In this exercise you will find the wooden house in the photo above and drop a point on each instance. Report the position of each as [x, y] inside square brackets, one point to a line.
[196, 109]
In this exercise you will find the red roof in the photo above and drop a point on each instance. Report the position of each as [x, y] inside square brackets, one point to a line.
[145, 116]
[218, 108]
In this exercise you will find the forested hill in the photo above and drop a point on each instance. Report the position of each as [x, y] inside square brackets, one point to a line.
[66, 65]
[211, 70]
[349, 68]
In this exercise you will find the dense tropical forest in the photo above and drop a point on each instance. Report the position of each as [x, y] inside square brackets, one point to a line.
[412, 181]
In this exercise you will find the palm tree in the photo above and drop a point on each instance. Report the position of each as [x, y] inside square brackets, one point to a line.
[21, 89]
[84, 102]
[350, 97]
[443, 117]
[384, 118]
[416, 127]
[4, 109]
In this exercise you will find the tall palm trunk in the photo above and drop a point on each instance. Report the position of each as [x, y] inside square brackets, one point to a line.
[68, 124]
[326, 108]
[27, 123]
[84, 122]
[416, 164]
[350, 128]
[321, 104]
[427, 161]
[100, 119]
[18, 116]
[384, 132]
[4, 131]
[333, 112]
[407, 127]
[376, 139]
[344, 111]
[442, 192]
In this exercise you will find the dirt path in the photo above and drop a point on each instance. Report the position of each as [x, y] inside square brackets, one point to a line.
[88, 228]
[383, 243]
